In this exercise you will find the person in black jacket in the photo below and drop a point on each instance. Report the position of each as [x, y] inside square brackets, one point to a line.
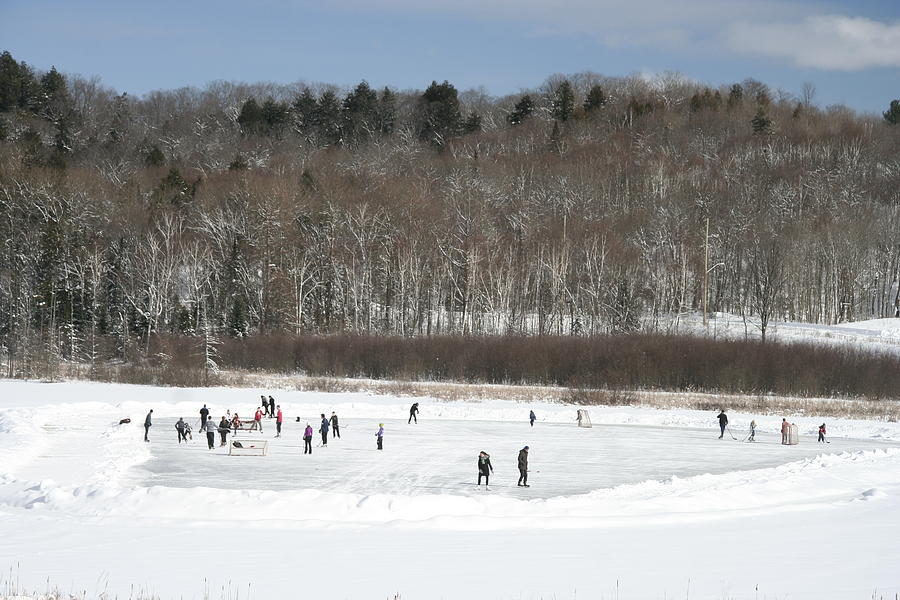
[413, 411]
[723, 422]
[335, 429]
[523, 467]
[204, 415]
[148, 423]
[324, 430]
[271, 406]
[485, 468]
[224, 429]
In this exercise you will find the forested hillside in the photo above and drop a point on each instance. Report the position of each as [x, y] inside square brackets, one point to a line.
[577, 208]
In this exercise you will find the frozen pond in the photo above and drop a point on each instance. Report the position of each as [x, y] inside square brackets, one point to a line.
[437, 457]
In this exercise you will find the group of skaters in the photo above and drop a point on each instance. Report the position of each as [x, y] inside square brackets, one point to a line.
[268, 409]
[751, 436]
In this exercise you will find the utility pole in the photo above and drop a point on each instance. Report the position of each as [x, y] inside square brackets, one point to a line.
[706, 273]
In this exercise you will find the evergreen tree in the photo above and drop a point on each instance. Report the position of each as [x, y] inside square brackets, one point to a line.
[735, 96]
[473, 123]
[595, 99]
[54, 102]
[154, 157]
[563, 104]
[522, 110]
[175, 190]
[761, 123]
[274, 116]
[892, 114]
[239, 163]
[120, 119]
[251, 118]
[360, 108]
[439, 115]
[327, 118]
[304, 110]
[386, 112]
[18, 87]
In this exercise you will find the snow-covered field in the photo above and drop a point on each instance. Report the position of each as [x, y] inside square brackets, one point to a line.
[646, 504]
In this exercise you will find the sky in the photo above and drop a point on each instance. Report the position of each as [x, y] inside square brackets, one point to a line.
[848, 49]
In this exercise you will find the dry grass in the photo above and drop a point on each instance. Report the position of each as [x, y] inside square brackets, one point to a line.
[853, 408]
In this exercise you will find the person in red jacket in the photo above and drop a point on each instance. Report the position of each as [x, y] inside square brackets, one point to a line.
[785, 428]
[258, 418]
[822, 432]
[278, 420]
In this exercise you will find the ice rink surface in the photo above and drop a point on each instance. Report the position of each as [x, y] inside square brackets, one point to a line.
[439, 457]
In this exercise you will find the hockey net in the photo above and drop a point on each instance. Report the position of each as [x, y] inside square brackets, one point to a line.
[793, 435]
[584, 419]
[248, 448]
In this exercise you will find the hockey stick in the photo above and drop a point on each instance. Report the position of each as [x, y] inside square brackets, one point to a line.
[728, 429]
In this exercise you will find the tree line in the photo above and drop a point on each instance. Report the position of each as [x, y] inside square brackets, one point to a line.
[576, 208]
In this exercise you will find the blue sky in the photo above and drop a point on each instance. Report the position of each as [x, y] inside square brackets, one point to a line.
[849, 50]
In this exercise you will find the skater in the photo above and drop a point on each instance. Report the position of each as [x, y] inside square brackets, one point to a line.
[723, 422]
[413, 411]
[324, 430]
[279, 419]
[307, 439]
[180, 426]
[147, 425]
[257, 418]
[210, 429]
[752, 436]
[204, 415]
[236, 422]
[379, 436]
[523, 467]
[785, 428]
[822, 432]
[224, 429]
[335, 430]
[485, 468]
[531, 417]
[272, 405]
[265, 405]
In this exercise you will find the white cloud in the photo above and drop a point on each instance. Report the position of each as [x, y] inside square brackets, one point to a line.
[700, 27]
[830, 42]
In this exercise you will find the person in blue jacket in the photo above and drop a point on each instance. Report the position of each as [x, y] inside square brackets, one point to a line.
[531, 417]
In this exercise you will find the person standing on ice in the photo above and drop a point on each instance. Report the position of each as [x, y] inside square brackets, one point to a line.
[485, 468]
[531, 417]
[204, 415]
[323, 429]
[272, 405]
[723, 422]
[279, 419]
[210, 428]
[224, 429]
[147, 425]
[822, 432]
[379, 436]
[257, 418]
[307, 439]
[752, 436]
[179, 427]
[335, 429]
[265, 405]
[785, 428]
[523, 467]
[413, 411]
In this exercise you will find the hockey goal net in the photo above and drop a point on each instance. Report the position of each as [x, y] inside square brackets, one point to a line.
[793, 435]
[584, 419]
[248, 448]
